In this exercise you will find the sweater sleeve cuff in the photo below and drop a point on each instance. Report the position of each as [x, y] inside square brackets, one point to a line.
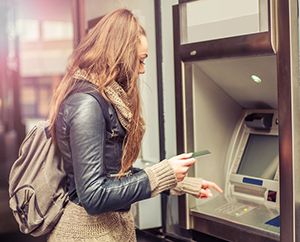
[161, 176]
[190, 185]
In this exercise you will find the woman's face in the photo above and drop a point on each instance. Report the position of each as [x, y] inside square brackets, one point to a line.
[142, 54]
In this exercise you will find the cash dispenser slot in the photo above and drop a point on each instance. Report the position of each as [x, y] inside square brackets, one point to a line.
[259, 120]
[258, 192]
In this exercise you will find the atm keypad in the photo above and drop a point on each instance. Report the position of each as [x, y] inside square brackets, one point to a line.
[235, 209]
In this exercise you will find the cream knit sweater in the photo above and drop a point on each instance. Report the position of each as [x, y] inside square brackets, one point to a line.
[76, 225]
[162, 177]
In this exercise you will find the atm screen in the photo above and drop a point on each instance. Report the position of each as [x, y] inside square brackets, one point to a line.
[261, 156]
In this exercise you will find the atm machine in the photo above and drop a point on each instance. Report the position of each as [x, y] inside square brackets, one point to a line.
[222, 106]
[251, 191]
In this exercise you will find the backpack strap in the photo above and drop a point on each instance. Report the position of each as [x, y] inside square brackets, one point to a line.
[88, 88]
[103, 104]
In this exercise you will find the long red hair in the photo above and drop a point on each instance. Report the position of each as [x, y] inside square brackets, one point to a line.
[110, 51]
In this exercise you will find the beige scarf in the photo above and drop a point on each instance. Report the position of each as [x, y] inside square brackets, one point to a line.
[116, 94]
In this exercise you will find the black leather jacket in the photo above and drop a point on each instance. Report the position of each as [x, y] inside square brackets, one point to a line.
[90, 156]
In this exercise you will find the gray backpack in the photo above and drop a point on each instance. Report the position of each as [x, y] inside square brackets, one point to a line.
[37, 180]
[37, 183]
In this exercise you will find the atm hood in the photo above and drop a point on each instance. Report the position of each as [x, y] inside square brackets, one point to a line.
[233, 75]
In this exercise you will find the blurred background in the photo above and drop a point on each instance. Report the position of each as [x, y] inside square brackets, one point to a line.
[36, 38]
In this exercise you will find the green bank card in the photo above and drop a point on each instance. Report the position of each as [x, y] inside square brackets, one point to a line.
[200, 153]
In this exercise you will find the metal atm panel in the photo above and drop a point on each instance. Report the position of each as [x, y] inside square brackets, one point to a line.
[204, 93]
[219, 125]
[251, 196]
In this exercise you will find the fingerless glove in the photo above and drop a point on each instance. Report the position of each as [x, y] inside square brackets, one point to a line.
[190, 185]
[161, 176]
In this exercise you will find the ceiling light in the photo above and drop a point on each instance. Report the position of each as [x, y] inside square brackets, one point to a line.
[256, 79]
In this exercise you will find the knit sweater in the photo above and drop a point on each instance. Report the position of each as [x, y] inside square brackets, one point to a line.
[162, 177]
[76, 225]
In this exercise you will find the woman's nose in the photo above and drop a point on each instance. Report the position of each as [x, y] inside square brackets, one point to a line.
[142, 69]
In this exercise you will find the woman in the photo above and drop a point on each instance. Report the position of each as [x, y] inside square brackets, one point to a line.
[101, 181]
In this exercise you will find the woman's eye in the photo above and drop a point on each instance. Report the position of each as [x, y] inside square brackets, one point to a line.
[141, 62]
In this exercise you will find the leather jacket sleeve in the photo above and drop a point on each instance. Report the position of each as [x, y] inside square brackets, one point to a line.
[81, 137]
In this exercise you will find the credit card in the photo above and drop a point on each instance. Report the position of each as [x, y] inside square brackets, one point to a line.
[200, 153]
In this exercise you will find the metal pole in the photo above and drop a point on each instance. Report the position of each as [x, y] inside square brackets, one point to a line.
[158, 34]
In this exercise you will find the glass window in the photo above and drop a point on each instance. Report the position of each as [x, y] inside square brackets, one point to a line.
[216, 19]
[57, 30]
[28, 30]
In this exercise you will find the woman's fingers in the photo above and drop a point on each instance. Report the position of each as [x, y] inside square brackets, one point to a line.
[189, 162]
[205, 191]
[206, 184]
[181, 164]
[184, 156]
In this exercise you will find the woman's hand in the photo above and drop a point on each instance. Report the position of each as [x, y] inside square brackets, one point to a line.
[205, 191]
[181, 164]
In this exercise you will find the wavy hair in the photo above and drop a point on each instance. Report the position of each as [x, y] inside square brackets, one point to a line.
[110, 51]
